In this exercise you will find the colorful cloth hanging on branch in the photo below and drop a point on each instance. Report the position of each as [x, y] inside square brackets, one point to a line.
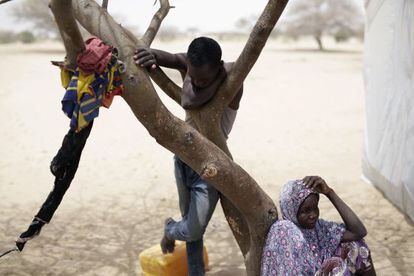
[93, 84]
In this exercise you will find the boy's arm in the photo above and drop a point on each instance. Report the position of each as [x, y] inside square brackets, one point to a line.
[149, 58]
[355, 229]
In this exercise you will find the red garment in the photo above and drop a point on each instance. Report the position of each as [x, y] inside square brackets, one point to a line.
[95, 57]
[109, 97]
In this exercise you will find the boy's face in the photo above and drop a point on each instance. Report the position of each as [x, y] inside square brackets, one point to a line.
[202, 76]
[308, 212]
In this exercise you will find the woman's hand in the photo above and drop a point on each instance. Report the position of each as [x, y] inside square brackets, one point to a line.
[355, 230]
[317, 184]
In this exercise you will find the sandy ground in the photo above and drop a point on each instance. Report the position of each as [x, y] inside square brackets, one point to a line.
[302, 114]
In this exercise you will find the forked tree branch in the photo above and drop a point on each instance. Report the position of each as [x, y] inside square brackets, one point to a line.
[201, 154]
[177, 136]
[155, 23]
[69, 31]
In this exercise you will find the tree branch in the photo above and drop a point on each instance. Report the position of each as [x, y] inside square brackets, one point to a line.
[99, 23]
[105, 4]
[4, 1]
[156, 21]
[251, 52]
[201, 154]
[172, 133]
[69, 31]
[158, 75]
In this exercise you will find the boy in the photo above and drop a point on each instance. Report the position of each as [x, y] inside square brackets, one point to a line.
[203, 72]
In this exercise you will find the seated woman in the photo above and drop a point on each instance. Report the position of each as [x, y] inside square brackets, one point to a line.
[303, 244]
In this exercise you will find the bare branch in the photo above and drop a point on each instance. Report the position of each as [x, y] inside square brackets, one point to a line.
[156, 22]
[69, 31]
[4, 1]
[251, 51]
[105, 4]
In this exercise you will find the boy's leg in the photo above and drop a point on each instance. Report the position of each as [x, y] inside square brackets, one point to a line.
[195, 257]
[168, 244]
[203, 200]
[181, 179]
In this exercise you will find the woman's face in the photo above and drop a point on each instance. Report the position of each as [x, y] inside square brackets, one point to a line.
[308, 212]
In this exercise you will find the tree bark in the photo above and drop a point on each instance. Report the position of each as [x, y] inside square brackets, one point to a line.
[105, 4]
[69, 31]
[318, 40]
[251, 211]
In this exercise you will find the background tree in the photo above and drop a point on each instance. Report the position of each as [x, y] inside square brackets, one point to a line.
[169, 33]
[246, 24]
[42, 21]
[339, 18]
[35, 13]
[10, 37]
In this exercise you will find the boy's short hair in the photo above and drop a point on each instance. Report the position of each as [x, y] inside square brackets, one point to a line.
[204, 50]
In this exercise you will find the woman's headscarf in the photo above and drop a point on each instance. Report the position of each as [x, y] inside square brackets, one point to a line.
[290, 248]
[292, 195]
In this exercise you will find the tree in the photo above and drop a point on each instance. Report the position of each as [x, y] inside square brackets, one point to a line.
[249, 210]
[41, 17]
[26, 37]
[316, 18]
[168, 33]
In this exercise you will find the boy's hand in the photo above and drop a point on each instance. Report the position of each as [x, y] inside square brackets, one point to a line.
[144, 58]
[317, 184]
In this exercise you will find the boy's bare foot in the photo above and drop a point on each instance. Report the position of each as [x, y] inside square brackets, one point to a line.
[167, 245]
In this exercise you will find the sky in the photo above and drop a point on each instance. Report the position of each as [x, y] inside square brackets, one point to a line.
[205, 15]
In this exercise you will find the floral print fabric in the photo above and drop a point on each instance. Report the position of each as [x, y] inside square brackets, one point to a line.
[291, 250]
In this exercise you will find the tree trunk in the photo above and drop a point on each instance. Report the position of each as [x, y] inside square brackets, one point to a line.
[318, 40]
[248, 209]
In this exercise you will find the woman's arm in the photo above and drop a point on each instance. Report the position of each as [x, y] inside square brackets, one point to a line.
[355, 229]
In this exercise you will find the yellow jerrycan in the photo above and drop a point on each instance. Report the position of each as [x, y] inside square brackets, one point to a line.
[154, 263]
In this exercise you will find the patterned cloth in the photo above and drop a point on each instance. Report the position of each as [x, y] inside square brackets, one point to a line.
[292, 250]
[95, 57]
[86, 93]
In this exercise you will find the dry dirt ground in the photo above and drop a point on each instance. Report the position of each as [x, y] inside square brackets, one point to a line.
[302, 114]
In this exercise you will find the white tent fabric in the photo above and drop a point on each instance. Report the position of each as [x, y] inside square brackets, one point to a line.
[388, 161]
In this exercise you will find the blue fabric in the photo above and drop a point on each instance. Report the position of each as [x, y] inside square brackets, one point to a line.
[89, 104]
[197, 200]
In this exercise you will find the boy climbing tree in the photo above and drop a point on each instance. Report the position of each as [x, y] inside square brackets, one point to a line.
[203, 72]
